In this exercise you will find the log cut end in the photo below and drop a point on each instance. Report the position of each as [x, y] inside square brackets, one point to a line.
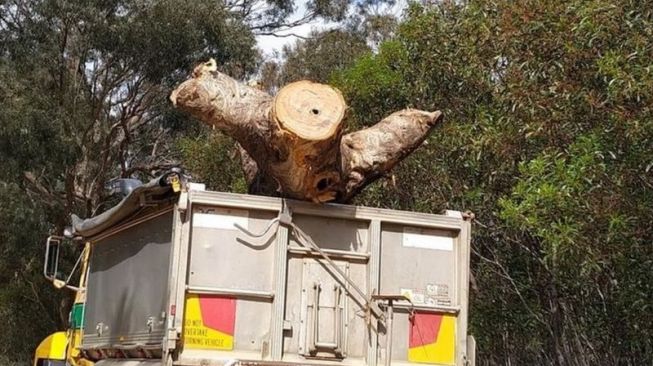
[309, 110]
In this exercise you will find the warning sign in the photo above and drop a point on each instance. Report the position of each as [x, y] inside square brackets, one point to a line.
[432, 339]
[209, 322]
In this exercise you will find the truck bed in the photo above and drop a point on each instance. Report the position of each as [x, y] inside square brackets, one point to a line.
[260, 280]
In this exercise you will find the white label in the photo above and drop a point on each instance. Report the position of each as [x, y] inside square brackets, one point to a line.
[427, 239]
[418, 298]
[415, 296]
[431, 289]
[220, 218]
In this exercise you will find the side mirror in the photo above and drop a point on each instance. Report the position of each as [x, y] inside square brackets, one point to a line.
[53, 248]
[51, 265]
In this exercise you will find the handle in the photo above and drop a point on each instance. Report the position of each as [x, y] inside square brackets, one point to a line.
[336, 345]
[316, 322]
[337, 320]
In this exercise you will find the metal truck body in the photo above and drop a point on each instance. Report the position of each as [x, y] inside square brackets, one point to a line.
[208, 278]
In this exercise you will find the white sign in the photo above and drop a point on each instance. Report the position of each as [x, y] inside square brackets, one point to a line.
[427, 239]
[221, 218]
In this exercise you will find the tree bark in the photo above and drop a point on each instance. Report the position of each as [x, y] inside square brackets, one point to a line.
[292, 144]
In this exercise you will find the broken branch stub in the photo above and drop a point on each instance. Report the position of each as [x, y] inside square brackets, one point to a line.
[369, 153]
[295, 140]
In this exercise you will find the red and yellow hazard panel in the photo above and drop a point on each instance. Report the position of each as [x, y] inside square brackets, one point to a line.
[209, 322]
[432, 339]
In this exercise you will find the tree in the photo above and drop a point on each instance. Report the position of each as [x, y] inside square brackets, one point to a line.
[319, 56]
[84, 87]
[549, 141]
[100, 109]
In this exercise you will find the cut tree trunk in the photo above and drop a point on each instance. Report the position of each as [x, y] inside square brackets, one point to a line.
[292, 144]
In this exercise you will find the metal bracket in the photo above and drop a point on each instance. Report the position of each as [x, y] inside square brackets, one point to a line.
[285, 215]
[390, 299]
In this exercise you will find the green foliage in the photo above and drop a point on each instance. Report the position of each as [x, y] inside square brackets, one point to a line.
[545, 200]
[548, 138]
[30, 306]
[319, 56]
[85, 88]
[374, 80]
[315, 58]
[214, 160]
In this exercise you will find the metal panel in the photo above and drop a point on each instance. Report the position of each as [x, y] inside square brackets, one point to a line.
[349, 212]
[334, 233]
[383, 252]
[471, 351]
[252, 325]
[223, 260]
[53, 363]
[424, 271]
[463, 287]
[373, 275]
[176, 278]
[182, 243]
[324, 312]
[223, 257]
[302, 273]
[279, 304]
[421, 264]
[127, 286]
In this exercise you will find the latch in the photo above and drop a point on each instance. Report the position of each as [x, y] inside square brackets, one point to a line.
[100, 328]
[150, 324]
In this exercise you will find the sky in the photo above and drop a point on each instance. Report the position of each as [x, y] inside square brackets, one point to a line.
[270, 44]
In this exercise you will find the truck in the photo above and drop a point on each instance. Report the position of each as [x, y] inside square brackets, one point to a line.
[175, 274]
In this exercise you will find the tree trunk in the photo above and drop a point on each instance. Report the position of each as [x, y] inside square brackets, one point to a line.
[294, 141]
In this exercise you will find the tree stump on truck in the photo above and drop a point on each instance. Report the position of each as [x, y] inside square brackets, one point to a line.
[293, 143]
